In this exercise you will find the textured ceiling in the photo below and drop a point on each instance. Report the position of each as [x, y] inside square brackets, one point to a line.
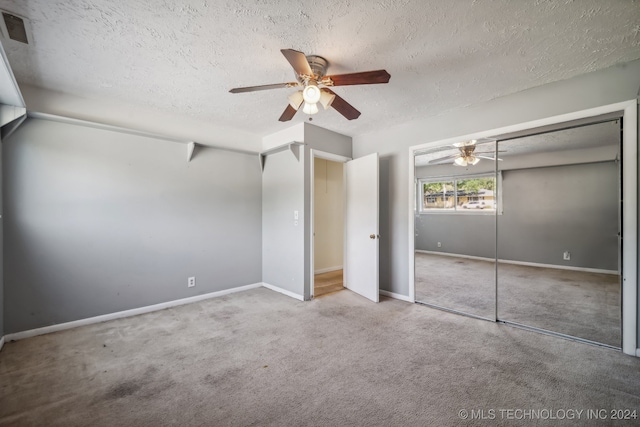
[184, 56]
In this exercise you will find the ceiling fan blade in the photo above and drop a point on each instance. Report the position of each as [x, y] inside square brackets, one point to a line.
[263, 87]
[488, 152]
[288, 113]
[298, 61]
[488, 158]
[343, 107]
[443, 159]
[364, 78]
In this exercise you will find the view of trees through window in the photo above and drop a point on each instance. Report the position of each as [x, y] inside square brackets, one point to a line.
[468, 194]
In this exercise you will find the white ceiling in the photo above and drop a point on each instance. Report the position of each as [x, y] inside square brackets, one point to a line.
[184, 56]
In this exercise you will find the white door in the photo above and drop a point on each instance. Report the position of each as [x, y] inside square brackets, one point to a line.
[361, 226]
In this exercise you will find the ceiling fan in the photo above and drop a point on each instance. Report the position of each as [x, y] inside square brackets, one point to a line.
[310, 74]
[467, 155]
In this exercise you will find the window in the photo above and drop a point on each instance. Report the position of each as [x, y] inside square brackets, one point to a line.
[471, 194]
[439, 195]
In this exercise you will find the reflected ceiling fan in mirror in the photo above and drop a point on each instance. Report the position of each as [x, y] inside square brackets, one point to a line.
[311, 77]
[467, 156]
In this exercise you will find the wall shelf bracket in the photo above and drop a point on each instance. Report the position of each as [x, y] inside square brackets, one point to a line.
[293, 146]
[191, 147]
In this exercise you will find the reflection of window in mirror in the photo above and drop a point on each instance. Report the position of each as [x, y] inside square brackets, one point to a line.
[464, 194]
[439, 195]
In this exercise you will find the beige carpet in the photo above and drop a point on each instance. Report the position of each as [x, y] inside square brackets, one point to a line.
[580, 304]
[259, 358]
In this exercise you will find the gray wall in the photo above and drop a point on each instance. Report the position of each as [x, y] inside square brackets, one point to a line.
[545, 212]
[326, 140]
[286, 187]
[101, 221]
[282, 240]
[1, 249]
[550, 210]
[464, 234]
[615, 84]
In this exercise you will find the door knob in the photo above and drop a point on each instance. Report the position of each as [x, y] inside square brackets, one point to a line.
[374, 236]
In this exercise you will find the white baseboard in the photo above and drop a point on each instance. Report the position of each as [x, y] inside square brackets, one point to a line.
[327, 270]
[528, 264]
[559, 267]
[1, 343]
[126, 313]
[395, 296]
[283, 291]
[480, 258]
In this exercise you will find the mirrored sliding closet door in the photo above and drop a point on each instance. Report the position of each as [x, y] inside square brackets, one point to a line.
[558, 232]
[456, 201]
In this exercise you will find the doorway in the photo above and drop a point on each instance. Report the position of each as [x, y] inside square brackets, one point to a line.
[328, 226]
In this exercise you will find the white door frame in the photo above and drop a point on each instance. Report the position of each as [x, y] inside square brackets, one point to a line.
[629, 111]
[334, 158]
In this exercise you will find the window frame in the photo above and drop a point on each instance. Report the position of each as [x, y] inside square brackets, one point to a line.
[455, 178]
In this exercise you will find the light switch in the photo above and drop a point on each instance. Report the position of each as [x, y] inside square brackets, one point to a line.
[295, 215]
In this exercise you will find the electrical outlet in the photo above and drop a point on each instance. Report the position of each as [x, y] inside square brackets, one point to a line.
[566, 256]
[191, 282]
[439, 244]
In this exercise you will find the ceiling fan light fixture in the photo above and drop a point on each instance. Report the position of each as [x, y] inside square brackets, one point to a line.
[310, 108]
[326, 99]
[311, 93]
[296, 99]
[466, 161]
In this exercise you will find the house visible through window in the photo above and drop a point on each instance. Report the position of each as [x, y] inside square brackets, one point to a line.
[464, 194]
